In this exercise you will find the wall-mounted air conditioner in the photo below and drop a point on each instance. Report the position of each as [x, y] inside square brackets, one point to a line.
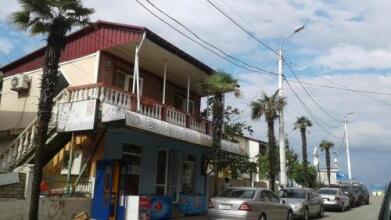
[20, 83]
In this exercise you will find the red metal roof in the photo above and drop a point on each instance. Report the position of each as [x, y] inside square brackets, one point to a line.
[99, 36]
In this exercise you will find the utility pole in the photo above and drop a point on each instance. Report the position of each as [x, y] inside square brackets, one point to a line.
[283, 177]
[347, 145]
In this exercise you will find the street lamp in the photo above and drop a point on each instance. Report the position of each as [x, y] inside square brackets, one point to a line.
[283, 177]
[347, 144]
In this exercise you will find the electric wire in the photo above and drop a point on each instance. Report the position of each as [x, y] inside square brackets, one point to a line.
[309, 94]
[200, 44]
[204, 41]
[242, 28]
[310, 113]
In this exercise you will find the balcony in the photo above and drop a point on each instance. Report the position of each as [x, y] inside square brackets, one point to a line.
[148, 107]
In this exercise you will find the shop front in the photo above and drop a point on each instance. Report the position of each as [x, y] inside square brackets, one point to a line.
[164, 175]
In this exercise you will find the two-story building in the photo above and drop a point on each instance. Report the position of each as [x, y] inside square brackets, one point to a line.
[126, 118]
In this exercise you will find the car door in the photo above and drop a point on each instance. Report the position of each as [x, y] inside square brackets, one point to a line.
[314, 202]
[267, 205]
[280, 208]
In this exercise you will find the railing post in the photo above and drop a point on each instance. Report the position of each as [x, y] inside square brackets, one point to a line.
[164, 113]
[188, 118]
[133, 104]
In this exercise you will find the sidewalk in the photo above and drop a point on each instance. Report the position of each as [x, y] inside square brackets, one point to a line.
[198, 217]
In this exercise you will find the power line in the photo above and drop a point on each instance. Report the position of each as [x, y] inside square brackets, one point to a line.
[310, 113]
[242, 28]
[200, 44]
[341, 88]
[204, 41]
[362, 94]
[309, 94]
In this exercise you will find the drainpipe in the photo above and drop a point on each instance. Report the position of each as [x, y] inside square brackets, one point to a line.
[188, 94]
[136, 72]
[164, 84]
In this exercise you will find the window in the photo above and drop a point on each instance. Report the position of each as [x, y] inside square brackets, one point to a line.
[130, 169]
[161, 172]
[293, 193]
[180, 102]
[77, 160]
[238, 193]
[187, 179]
[124, 81]
[175, 177]
[267, 196]
[328, 191]
[119, 79]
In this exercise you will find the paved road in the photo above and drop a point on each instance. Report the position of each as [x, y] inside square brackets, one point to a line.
[365, 212]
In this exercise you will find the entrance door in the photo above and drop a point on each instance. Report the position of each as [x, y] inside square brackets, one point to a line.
[130, 176]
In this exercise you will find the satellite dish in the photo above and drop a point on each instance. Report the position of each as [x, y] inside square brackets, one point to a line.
[316, 161]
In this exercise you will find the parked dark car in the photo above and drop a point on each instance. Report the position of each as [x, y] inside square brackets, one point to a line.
[363, 193]
[385, 210]
[351, 193]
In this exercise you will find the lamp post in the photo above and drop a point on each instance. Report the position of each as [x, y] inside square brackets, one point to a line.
[347, 144]
[283, 177]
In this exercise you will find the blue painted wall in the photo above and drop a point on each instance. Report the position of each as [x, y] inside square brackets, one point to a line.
[151, 143]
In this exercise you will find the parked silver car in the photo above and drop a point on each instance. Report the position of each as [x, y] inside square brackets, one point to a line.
[247, 203]
[305, 203]
[334, 198]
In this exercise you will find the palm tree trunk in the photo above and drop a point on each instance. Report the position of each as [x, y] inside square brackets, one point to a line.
[55, 44]
[304, 153]
[328, 165]
[217, 123]
[272, 153]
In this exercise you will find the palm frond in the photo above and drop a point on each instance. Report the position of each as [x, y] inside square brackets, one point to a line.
[220, 82]
[326, 145]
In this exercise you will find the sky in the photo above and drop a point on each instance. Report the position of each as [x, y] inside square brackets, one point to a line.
[345, 44]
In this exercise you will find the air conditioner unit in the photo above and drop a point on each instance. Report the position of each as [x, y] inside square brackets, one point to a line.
[20, 83]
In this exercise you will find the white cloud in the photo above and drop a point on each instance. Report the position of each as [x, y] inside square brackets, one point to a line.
[354, 57]
[5, 45]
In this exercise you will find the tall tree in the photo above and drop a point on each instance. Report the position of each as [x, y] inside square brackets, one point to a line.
[269, 106]
[302, 123]
[326, 146]
[53, 19]
[218, 84]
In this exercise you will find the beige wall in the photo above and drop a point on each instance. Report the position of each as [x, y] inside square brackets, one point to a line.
[14, 101]
[78, 72]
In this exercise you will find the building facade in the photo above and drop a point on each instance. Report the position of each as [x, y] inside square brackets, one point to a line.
[126, 120]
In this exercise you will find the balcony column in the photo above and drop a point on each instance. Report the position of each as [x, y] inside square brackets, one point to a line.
[136, 73]
[164, 84]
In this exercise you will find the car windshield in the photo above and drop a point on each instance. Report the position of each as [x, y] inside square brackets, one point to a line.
[293, 193]
[238, 193]
[328, 191]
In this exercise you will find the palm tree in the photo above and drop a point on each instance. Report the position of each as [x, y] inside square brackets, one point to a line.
[326, 146]
[269, 106]
[53, 19]
[302, 123]
[218, 84]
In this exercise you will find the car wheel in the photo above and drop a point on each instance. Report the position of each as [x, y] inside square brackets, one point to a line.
[321, 212]
[290, 215]
[306, 214]
[263, 217]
